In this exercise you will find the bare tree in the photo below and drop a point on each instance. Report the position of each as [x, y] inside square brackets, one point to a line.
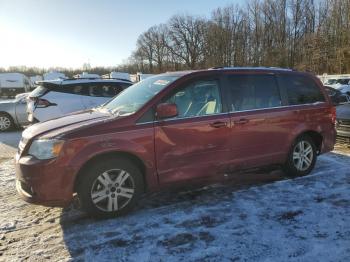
[186, 39]
[306, 34]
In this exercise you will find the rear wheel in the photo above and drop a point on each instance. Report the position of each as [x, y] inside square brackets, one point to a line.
[301, 158]
[110, 187]
[6, 122]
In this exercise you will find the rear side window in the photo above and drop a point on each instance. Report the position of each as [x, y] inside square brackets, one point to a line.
[85, 89]
[249, 92]
[104, 90]
[301, 90]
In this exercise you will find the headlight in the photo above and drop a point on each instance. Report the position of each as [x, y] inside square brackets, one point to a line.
[45, 148]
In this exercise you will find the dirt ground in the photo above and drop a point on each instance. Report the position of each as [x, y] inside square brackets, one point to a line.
[254, 217]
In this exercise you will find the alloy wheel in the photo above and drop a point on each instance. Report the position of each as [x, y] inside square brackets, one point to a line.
[112, 190]
[5, 123]
[303, 155]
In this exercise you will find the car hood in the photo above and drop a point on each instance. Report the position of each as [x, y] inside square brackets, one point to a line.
[66, 123]
[3, 102]
[343, 111]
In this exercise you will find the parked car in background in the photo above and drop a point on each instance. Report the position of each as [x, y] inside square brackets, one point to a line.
[341, 84]
[337, 96]
[176, 128]
[13, 113]
[334, 82]
[12, 84]
[56, 98]
[343, 123]
[345, 89]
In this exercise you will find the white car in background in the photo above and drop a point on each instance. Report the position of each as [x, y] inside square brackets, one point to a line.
[341, 84]
[56, 98]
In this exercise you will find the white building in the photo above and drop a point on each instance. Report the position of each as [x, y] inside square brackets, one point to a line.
[87, 75]
[34, 79]
[53, 75]
[117, 75]
[12, 84]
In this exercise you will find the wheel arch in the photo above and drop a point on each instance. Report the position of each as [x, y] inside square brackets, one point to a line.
[315, 136]
[112, 154]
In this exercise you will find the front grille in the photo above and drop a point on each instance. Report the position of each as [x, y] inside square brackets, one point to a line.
[344, 122]
[343, 125]
[343, 128]
[343, 140]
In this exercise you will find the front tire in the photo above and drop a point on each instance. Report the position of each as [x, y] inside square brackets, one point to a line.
[6, 122]
[301, 158]
[110, 187]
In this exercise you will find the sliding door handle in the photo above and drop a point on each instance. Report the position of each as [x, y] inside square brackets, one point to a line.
[241, 121]
[218, 124]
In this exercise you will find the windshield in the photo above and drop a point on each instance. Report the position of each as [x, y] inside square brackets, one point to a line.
[135, 96]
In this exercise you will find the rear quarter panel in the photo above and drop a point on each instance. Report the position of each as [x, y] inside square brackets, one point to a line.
[65, 104]
[315, 117]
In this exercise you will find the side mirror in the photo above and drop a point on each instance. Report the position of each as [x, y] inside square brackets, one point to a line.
[23, 100]
[166, 110]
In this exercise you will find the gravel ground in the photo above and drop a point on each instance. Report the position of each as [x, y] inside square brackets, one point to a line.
[8, 144]
[255, 217]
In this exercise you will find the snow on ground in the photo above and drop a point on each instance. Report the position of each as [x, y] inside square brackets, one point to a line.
[274, 219]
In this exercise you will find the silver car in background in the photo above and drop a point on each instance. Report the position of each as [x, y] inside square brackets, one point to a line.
[13, 112]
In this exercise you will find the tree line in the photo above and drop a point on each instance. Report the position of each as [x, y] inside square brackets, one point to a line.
[311, 35]
[69, 72]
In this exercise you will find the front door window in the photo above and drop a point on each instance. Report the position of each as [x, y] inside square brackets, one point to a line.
[197, 99]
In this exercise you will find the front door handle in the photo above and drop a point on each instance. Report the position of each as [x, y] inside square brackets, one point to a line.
[218, 124]
[241, 121]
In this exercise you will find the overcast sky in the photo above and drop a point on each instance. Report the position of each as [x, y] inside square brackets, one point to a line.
[68, 33]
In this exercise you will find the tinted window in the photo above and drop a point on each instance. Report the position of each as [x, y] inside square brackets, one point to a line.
[147, 117]
[342, 99]
[301, 90]
[78, 90]
[197, 99]
[96, 90]
[86, 89]
[249, 92]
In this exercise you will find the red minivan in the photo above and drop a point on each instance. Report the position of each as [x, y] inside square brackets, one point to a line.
[176, 128]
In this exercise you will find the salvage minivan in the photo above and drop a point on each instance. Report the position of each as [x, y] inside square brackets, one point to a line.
[174, 129]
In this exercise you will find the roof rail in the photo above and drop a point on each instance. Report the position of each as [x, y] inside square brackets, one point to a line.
[251, 68]
[95, 78]
[116, 78]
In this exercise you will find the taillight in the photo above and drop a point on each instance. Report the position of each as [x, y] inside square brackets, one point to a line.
[40, 102]
[333, 114]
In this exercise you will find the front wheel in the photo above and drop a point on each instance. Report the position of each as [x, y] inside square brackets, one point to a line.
[301, 158]
[110, 187]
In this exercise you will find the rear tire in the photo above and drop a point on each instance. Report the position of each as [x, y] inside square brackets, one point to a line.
[110, 187]
[6, 122]
[301, 158]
